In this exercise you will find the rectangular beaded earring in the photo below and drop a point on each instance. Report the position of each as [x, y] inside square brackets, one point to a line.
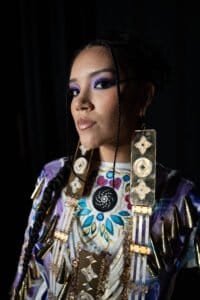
[142, 197]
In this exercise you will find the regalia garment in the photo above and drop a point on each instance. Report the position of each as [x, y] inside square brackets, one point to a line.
[94, 262]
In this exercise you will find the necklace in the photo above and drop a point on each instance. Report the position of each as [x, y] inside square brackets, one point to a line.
[105, 197]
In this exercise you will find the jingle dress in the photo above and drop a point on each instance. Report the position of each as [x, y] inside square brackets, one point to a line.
[94, 262]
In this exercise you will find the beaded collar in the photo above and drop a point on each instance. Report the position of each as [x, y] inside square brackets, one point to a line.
[104, 212]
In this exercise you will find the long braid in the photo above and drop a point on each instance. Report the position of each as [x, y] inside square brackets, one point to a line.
[55, 186]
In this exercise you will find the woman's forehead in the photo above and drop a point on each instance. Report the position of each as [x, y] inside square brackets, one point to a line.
[92, 58]
[95, 50]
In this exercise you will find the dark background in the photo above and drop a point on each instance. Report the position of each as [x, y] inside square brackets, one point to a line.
[39, 38]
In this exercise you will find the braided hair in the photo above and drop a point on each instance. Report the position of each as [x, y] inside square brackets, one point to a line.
[50, 195]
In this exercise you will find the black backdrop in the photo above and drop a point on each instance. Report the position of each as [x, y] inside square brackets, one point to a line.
[40, 36]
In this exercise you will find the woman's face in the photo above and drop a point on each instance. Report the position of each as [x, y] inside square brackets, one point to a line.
[94, 106]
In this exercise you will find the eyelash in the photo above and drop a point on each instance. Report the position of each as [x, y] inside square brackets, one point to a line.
[103, 83]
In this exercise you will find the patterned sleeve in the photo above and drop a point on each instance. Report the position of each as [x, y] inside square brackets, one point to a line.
[35, 268]
[35, 284]
[192, 257]
[175, 224]
[188, 278]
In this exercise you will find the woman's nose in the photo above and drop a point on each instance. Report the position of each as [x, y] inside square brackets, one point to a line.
[83, 102]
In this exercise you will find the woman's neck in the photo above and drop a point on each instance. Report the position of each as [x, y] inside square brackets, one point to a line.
[107, 153]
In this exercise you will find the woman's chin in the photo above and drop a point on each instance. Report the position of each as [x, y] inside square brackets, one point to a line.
[88, 143]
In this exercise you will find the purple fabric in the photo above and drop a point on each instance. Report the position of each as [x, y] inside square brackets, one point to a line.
[171, 191]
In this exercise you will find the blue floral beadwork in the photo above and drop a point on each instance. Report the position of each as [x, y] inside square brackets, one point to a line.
[126, 178]
[99, 223]
[100, 217]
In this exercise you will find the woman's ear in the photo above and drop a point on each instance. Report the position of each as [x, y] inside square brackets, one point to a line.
[149, 92]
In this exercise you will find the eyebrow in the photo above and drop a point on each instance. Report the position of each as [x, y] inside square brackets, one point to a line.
[110, 70]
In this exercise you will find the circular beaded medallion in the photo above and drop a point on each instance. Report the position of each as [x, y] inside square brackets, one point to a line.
[104, 199]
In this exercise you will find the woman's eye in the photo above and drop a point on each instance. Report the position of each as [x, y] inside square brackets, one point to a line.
[73, 92]
[104, 83]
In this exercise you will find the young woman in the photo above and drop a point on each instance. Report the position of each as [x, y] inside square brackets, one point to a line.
[111, 223]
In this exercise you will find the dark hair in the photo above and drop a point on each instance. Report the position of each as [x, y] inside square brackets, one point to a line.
[50, 196]
[142, 59]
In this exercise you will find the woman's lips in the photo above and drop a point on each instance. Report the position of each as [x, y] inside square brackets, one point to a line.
[85, 124]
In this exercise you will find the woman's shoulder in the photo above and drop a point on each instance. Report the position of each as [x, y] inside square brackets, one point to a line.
[50, 169]
[171, 182]
[174, 190]
[47, 173]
